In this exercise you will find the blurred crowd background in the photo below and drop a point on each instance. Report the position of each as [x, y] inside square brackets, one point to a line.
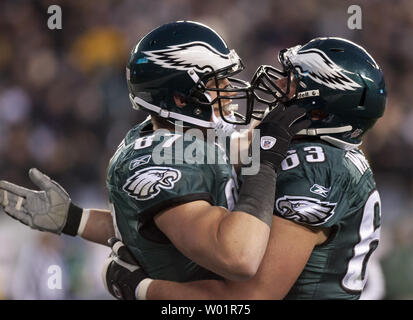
[64, 108]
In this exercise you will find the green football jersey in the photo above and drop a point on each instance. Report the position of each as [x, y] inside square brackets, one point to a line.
[320, 185]
[139, 188]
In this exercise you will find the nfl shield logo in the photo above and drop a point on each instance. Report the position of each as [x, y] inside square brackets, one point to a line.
[267, 142]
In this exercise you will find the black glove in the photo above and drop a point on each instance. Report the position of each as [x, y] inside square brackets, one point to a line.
[276, 131]
[121, 272]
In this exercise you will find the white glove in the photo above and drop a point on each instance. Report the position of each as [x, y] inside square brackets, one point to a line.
[49, 210]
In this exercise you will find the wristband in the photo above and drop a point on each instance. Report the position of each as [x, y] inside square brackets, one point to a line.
[257, 194]
[83, 221]
[142, 289]
[74, 216]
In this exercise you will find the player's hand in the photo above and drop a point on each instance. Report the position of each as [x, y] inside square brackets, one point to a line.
[121, 272]
[44, 210]
[277, 129]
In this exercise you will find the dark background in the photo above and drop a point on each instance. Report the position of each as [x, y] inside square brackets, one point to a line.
[64, 108]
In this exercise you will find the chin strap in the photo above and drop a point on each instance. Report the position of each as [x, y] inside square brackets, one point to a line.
[340, 143]
[140, 103]
[334, 141]
[320, 131]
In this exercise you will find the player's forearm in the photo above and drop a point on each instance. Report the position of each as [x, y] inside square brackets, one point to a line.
[237, 242]
[241, 243]
[232, 246]
[97, 226]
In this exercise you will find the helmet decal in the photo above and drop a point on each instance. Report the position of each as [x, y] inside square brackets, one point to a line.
[315, 64]
[196, 55]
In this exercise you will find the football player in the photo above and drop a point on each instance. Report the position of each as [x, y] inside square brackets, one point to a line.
[179, 218]
[326, 220]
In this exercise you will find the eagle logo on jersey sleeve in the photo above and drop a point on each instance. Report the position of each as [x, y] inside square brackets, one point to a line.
[146, 184]
[305, 210]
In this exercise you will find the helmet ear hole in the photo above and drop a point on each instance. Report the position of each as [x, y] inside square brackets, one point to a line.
[180, 100]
